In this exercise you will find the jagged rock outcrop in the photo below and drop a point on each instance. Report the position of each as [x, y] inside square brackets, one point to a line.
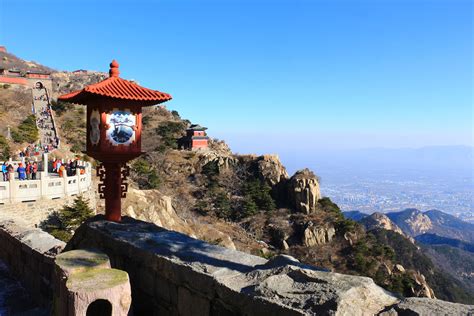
[412, 221]
[304, 192]
[151, 206]
[317, 235]
[280, 230]
[271, 170]
[65, 81]
[417, 306]
[154, 207]
[421, 287]
[379, 220]
[222, 160]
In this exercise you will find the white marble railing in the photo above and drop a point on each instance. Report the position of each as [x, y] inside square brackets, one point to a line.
[48, 186]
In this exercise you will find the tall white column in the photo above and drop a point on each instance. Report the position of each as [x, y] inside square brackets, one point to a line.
[45, 164]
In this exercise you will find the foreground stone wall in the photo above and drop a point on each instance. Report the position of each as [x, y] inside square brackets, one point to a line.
[29, 253]
[173, 274]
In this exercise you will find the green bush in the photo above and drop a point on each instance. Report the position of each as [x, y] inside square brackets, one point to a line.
[27, 132]
[61, 224]
[222, 205]
[170, 132]
[259, 193]
[146, 175]
[249, 207]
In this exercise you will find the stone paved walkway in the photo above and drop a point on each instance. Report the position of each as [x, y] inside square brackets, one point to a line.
[14, 300]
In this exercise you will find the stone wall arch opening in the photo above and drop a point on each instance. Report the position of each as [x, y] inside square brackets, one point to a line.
[39, 85]
[99, 308]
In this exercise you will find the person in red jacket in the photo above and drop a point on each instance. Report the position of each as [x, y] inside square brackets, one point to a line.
[34, 170]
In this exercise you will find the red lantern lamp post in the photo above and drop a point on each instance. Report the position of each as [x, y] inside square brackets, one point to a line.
[114, 126]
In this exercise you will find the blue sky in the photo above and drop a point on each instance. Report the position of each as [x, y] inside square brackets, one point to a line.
[288, 77]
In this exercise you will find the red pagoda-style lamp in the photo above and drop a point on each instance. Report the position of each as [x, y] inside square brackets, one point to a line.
[114, 127]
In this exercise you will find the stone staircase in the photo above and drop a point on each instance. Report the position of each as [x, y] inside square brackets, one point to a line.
[44, 120]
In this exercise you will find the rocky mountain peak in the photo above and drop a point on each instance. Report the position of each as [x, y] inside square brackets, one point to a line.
[379, 220]
[412, 221]
[304, 191]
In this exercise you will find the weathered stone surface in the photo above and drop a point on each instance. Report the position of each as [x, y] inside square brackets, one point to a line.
[317, 235]
[29, 253]
[379, 220]
[271, 170]
[152, 206]
[220, 281]
[304, 191]
[416, 306]
[79, 260]
[207, 275]
[84, 277]
[421, 287]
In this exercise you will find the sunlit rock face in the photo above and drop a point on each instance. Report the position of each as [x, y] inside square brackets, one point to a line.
[271, 170]
[317, 235]
[304, 191]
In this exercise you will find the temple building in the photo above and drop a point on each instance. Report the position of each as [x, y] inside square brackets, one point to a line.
[196, 138]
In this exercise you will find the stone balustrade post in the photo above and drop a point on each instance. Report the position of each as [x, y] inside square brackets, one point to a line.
[65, 182]
[13, 189]
[45, 164]
[44, 183]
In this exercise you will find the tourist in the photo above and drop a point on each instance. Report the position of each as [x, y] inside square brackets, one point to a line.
[62, 171]
[73, 167]
[55, 165]
[34, 170]
[5, 171]
[9, 171]
[21, 172]
[28, 170]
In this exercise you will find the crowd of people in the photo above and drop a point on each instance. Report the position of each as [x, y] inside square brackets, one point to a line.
[29, 170]
[45, 123]
[25, 172]
[70, 167]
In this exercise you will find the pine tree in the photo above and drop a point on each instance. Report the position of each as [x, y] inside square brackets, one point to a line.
[61, 224]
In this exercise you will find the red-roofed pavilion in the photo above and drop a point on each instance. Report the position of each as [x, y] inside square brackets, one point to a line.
[114, 124]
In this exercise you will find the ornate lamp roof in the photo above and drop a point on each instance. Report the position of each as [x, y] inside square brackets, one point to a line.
[118, 89]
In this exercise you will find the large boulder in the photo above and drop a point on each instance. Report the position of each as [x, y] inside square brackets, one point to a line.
[154, 207]
[304, 192]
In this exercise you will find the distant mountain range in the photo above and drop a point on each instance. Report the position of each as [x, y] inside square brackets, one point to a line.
[445, 239]
[414, 222]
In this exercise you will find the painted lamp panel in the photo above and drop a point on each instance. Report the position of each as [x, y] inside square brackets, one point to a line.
[121, 127]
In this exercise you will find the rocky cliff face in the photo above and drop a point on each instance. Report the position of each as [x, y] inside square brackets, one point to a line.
[304, 191]
[379, 220]
[65, 81]
[151, 206]
[271, 170]
[412, 221]
[317, 235]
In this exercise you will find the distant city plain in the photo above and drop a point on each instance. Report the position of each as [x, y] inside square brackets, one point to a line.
[387, 180]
